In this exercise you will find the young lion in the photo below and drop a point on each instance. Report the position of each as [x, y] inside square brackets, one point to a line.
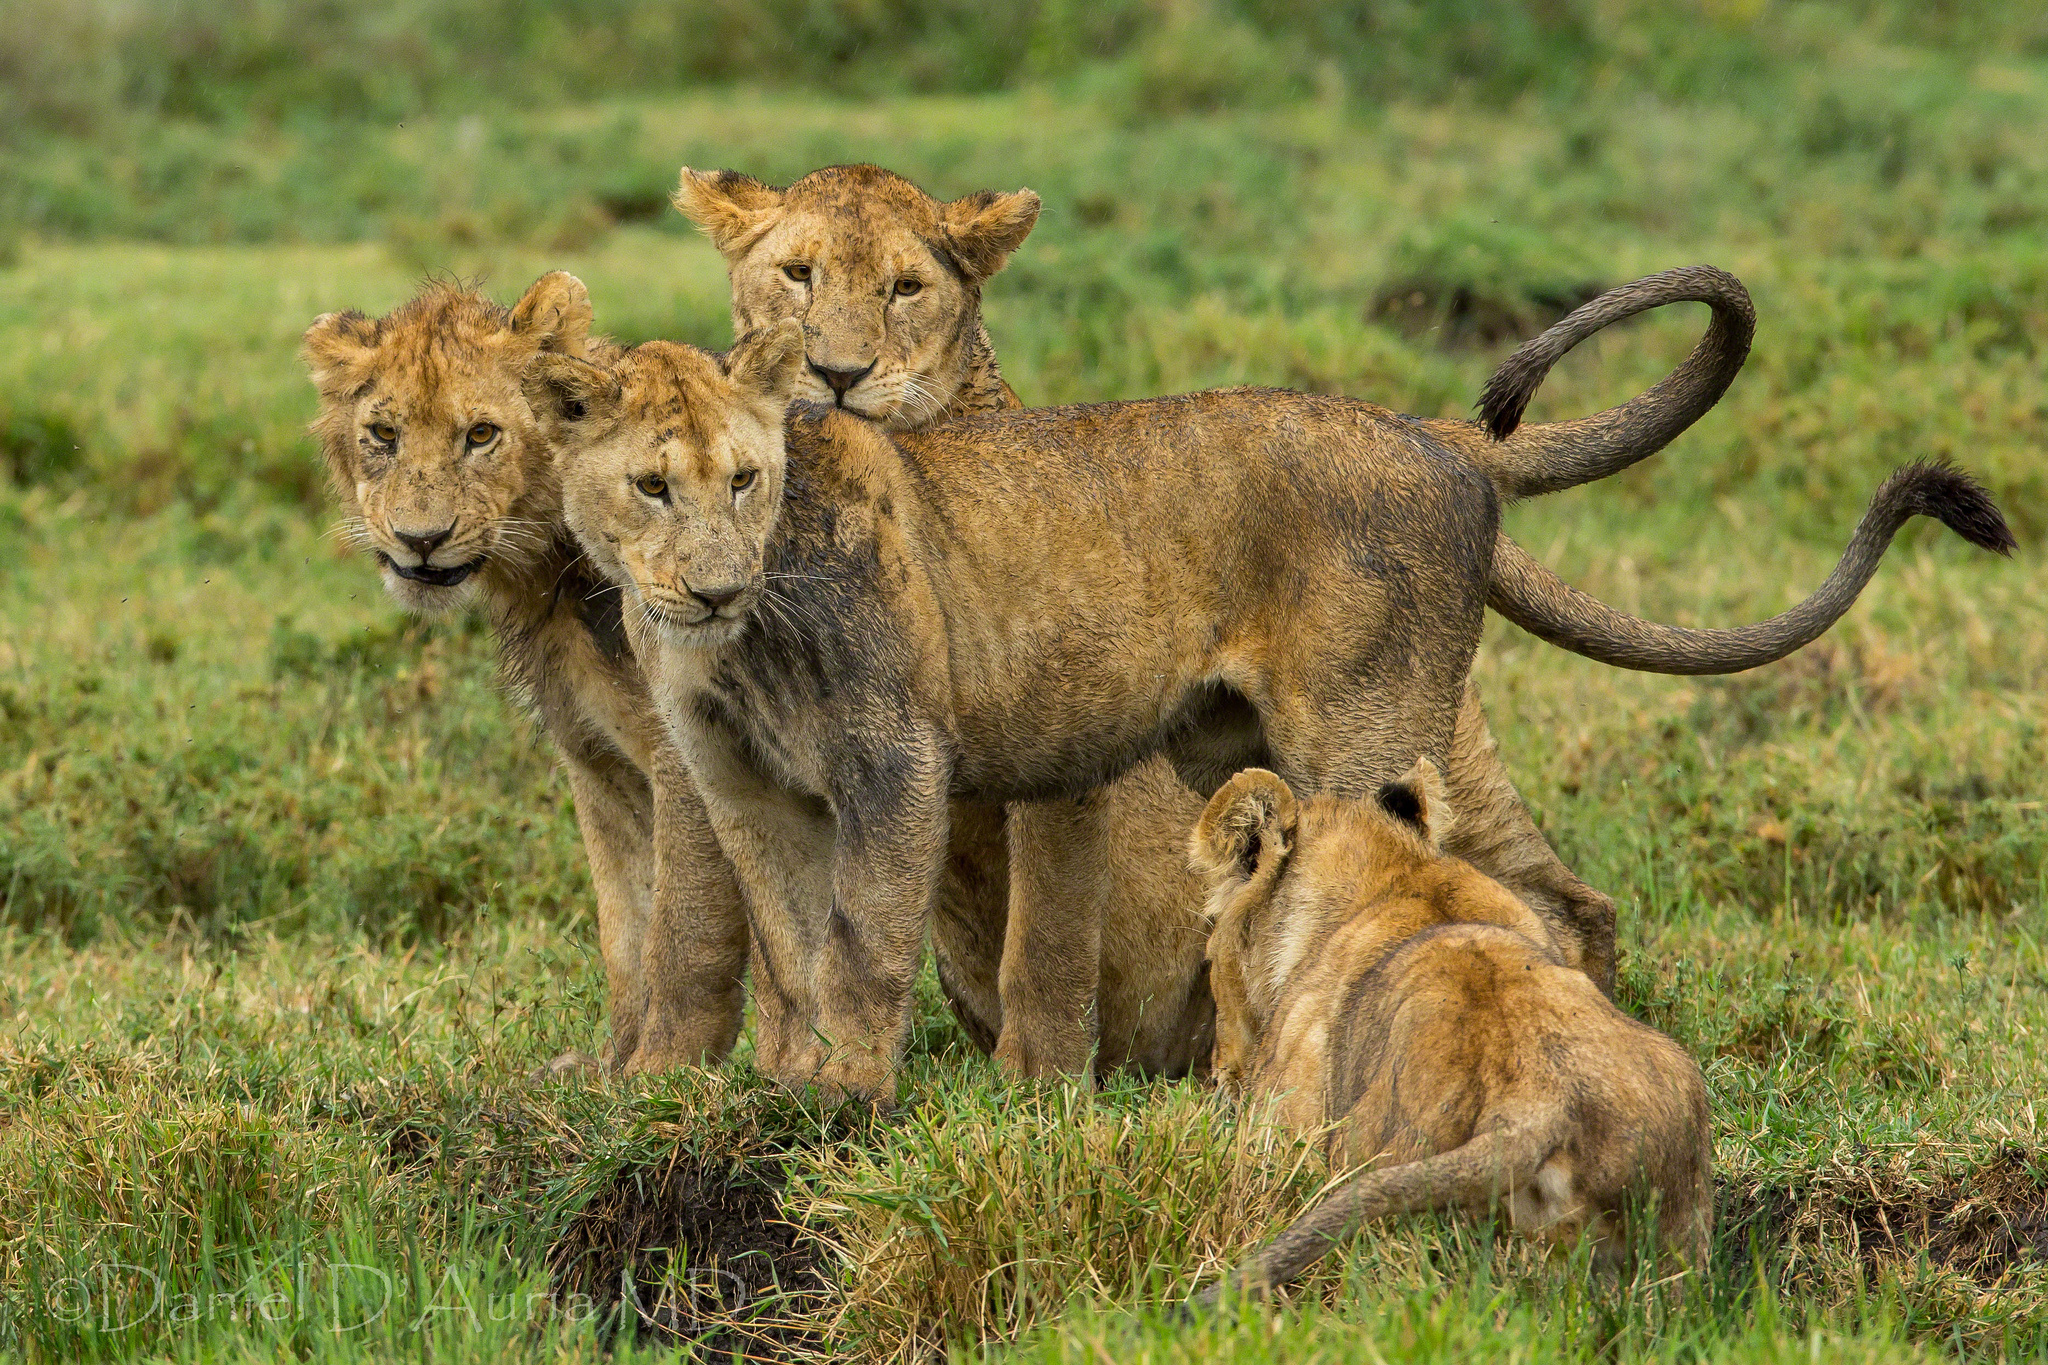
[444, 474]
[844, 629]
[846, 635]
[1363, 979]
[870, 265]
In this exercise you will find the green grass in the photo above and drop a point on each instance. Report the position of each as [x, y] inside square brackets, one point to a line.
[291, 899]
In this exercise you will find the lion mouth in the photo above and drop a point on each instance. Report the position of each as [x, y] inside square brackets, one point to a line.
[428, 574]
[713, 627]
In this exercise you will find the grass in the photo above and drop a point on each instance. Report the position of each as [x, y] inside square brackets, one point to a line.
[291, 900]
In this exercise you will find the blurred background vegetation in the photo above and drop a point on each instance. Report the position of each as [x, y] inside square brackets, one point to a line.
[1376, 197]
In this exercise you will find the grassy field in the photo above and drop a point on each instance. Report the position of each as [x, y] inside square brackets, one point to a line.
[291, 899]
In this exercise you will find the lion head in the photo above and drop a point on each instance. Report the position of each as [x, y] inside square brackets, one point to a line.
[439, 462]
[671, 472]
[1283, 872]
[885, 279]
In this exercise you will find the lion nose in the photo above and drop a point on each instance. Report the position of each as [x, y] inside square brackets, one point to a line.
[716, 598]
[424, 544]
[841, 380]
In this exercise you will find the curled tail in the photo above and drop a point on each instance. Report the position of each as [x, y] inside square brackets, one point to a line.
[1546, 606]
[1544, 457]
[1467, 1177]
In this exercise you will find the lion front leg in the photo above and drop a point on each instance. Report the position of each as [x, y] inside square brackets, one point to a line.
[892, 828]
[611, 799]
[695, 941]
[779, 846]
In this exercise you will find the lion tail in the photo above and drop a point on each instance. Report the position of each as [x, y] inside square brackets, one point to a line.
[1544, 457]
[1546, 606]
[1468, 1177]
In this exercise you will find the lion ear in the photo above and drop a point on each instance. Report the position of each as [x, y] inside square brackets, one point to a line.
[554, 313]
[733, 209]
[765, 362]
[1419, 800]
[981, 230]
[337, 350]
[568, 389]
[1249, 820]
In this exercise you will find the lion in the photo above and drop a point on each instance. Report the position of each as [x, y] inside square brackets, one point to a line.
[886, 281]
[845, 628]
[833, 250]
[1418, 1015]
[444, 474]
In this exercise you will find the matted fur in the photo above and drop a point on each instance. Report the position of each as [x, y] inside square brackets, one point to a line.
[1098, 878]
[1421, 1016]
[429, 373]
[845, 629]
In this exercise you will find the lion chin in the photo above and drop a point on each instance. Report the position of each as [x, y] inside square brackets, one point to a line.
[710, 633]
[428, 591]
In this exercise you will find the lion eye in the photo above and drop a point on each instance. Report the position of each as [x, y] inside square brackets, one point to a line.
[797, 271]
[653, 485]
[385, 433]
[482, 434]
[744, 480]
[905, 288]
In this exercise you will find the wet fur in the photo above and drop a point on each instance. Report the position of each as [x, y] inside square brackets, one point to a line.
[1097, 877]
[935, 650]
[433, 367]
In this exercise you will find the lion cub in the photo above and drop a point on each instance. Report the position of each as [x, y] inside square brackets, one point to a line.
[1366, 980]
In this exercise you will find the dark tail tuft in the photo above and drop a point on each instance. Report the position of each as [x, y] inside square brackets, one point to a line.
[1508, 393]
[1709, 370]
[1939, 489]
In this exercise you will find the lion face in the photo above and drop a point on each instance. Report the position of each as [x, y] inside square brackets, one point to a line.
[885, 280]
[672, 475]
[433, 449]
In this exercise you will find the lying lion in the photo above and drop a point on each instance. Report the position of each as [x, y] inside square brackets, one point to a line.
[1365, 980]
[845, 630]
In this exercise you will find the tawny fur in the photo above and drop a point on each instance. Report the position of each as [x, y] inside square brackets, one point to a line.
[670, 924]
[854, 232]
[1410, 1008]
[885, 279]
[1013, 606]
[1098, 878]
[670, 935]
[844, 629]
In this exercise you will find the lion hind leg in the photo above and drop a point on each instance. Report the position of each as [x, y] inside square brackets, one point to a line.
[1052, 949]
